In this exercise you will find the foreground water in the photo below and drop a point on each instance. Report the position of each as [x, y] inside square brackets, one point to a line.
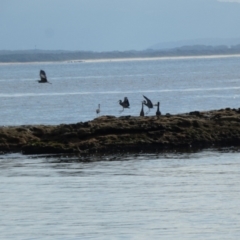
[145, 196]
[167, 196]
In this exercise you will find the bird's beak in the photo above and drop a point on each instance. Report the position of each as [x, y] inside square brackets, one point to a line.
[155, 105]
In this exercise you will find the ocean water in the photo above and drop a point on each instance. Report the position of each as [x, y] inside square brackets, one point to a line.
[175, 195]
[181, 85]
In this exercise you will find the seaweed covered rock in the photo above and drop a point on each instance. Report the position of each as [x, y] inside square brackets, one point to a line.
[109, 134]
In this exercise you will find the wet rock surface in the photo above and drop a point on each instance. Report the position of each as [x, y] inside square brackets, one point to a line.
[109, 134]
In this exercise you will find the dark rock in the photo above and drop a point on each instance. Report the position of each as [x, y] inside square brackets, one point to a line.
[108, 134]
[195, 113]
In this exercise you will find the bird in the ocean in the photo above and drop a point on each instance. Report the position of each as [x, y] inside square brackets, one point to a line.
[148, 103]
[124, 103]
[43, 77]
[98, 109]
[158, 113]
[142, 110]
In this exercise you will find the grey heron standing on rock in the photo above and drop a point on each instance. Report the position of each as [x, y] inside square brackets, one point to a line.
[98, 109]
[124, 103]
[158, 113]
[142, 110]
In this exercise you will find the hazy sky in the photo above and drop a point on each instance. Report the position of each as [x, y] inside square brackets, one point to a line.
[106, 25]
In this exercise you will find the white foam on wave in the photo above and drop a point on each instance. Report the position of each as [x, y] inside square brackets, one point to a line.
[3, 95]
[63, 78]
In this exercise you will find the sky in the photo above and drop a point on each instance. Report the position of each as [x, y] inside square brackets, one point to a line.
[113, 25]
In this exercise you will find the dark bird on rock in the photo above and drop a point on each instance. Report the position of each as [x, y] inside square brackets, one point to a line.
[142, 110]
[43, 77]
[148, 103]
[124, 103]
[158, 113]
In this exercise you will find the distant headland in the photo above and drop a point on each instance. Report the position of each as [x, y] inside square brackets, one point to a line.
[61, 55]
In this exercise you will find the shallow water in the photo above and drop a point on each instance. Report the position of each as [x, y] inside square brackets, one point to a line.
[131, 196]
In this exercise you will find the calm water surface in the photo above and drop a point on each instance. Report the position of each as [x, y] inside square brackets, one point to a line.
[142, 196]
[181, 85]
[167, 196]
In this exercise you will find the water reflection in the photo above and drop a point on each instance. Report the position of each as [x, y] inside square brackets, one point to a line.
[48, 165]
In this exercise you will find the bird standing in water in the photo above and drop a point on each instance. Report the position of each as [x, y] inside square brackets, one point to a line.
[124, 103]
[142, 110]
[43, 77]
[98, 109]
[158, 113]
[148, 103]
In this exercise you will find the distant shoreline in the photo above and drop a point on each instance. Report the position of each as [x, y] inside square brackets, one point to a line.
[127, 59]
[161, 58]
[62, 56]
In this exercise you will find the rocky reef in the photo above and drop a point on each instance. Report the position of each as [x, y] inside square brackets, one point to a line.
[109, 134]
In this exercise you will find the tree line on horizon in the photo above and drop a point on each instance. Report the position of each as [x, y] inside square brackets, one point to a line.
[60, 55]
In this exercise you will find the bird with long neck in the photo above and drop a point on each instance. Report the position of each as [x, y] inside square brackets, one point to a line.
[142, 110]
[98, 109]
[158, 113]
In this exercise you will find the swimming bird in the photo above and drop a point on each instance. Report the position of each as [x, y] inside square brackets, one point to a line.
[124, 103]
[148, 103]
[142, 110]
[43, 77]
[98, 109]
[158, 113]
